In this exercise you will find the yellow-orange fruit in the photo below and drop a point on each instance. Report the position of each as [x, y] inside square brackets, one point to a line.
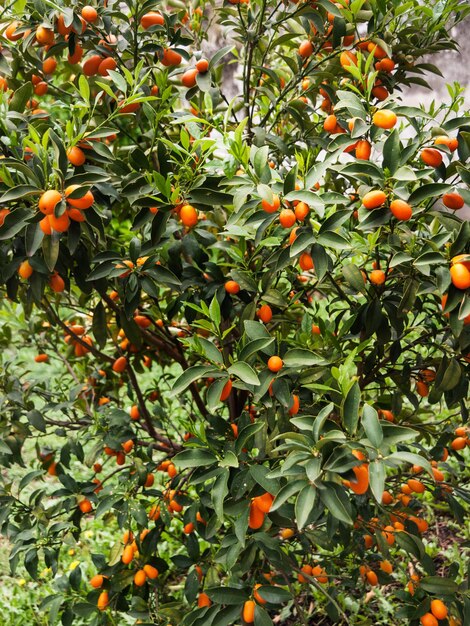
[305, 49]
[287, 218]
[44, 36]
[271, 207]
[103, 600]
[188, 79]
[431, 157]
[374, 199]
[428, 619]
[151, 18]
[384, 118]
[171, 58]
[377, 277]
[460, 276]
[48, 201]
[83, 202]
[256, 517]
[226, 391]
[76, 156]
[91, 65]
[264, 313]
[401, 209]
[188, 216]
[330, 123]
[97, 581]
[363, 150]
[248, 612]
[347, 58]
[306, 262]
[232, 287]
[140, 578]
[119, 364]
[25, 270]
[453, 201]
[203, 600]
[438, 609]
[275, 363]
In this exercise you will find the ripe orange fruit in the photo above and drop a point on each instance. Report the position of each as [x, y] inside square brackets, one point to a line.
[151, 571]
[428, 619]
[385, 65]
[380, 92]
[453, 201]
[305, 49]
[306, 262]
[451, 142]
[271, 207]
[256, 595]
[91, 65]
[386, 567]
[103, 600]
[10, 32]
[256, 517]
[25, 270]
[275, 363]
[287, 218]
[202, 66]
[363, 150]
[171, 58]
[188, 528]
[85, 506]
[49, 65]
[188, 216]
[294, 409]
[232, 287]
[149, 481]
[119, 364]
[401, 210]
[374, 199]
[59, 224]
[48, 201]
[44, 36]
[384, 118]
[83, 202]
[347, 58]
[422, 389]
[3, 214]
[106, 64]
[76, 156]
[306, 569]
[226, 391]
[248, 612]
[128, 554]
[97, 581]
[140, 578]
[264, 313]
[377, 277]
[459, 443]
[188, 79]
[151, 18]
[134, 412]
[57, 283]
[431, 157]
[264, 502]
[203, 600]
[301, 211]
[77, 55]
[89, 14]
[171, 470]
[361, 484]
[416, 486]
[330, 123]
[460, 276]
[41, 358]
[372, 578]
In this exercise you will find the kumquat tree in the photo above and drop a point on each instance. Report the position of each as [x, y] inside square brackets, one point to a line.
[235, 319]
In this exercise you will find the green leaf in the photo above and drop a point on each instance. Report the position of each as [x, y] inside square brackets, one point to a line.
[431, 190]
[371, 425]
[304, 505]
[20, 98]
[262, 617]
[255, 346]
[377, 479]
[332, 502]
[20, 191]
[451, 376]
[299, 357]
[36, 419]
[350, 408]
[391, 152]
[410, 457]
[99, 325]
[219, 492]
[164, 276]
[227, 595]
[320, 420]
[352, 274]
[194, 457]
[50, 250]
[439, 585]
[244, 372]
[274, 595]
[191, 375]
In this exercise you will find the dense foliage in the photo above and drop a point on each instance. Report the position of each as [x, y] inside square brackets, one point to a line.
[247, 275]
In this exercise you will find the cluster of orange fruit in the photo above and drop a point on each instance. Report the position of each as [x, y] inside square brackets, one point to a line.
[73, 211]
[78, 330]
